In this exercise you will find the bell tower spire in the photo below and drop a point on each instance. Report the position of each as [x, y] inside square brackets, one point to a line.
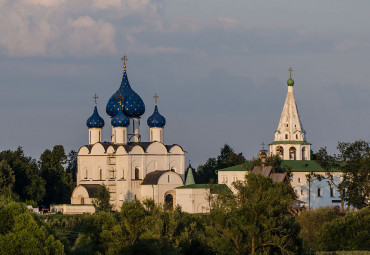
[290, 141]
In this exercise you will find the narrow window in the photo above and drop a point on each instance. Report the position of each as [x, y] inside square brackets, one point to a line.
[287, 125]
[82, 201]
[136, 173]
[296, 136]
[299, 179]
[331, 192]
[168, 178]
[286, 136]
[123, 173]
[301, 191]
[101, 174]
[151, 135]
[318, 192]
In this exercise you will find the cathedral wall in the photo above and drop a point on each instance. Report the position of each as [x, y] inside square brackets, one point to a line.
[229, 177]
[193, 200]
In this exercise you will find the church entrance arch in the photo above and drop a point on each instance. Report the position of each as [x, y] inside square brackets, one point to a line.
[169, 201]
[292, 153]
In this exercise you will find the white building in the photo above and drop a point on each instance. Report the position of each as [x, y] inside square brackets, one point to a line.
[291, 145]
[127, 166]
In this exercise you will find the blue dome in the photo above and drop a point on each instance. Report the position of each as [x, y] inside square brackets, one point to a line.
[120, 120]
[95, 121]
[133, 104]
[156, 120]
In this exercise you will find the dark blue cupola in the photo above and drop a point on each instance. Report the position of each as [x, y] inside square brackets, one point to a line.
[120, 120]
[95, 121]
[156, 119]
[133, 105]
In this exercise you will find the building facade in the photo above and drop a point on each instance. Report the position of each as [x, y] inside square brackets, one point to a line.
[129, 167]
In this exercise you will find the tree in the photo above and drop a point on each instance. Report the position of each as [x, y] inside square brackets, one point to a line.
[330, 164]
[102, 198]
[255, 220]
[356, 169]
[59, 184]
[23, 233]
[207, 173]
[28, 184]
[72, 165]
[7, 179]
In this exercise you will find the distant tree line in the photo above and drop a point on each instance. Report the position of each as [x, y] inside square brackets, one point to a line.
[51, 179]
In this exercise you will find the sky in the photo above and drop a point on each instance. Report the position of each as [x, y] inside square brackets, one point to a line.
[219, 68]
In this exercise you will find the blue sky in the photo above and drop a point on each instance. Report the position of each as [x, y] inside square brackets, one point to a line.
[219, 67]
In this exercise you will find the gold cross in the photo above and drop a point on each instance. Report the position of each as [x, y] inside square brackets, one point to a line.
[120, 96]
[95, 98]
[156, 98]
[124, 59]
[290, 71]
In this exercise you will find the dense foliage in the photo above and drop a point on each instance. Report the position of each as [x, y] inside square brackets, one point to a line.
[206, 173]
[49, 180]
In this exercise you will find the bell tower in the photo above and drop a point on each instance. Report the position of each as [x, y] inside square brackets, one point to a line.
[290, 137]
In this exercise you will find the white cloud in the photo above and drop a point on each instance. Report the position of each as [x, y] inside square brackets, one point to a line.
[67, 27]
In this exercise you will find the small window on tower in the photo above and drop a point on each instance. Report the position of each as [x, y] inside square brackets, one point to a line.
[331, 192]
[296, 136]
[318, 192]
[287, 125]
[301, 191]
[168, 178]
[286, 136]
[299, 179]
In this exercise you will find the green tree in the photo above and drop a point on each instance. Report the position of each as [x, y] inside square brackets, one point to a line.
[102, 199]
[255, 220]
[29, 185]
[356, 169]
[349, 232]
[207, 173]
[72, 165]
[59, 184]
[311, 222]
[22, 233]
[7, 179]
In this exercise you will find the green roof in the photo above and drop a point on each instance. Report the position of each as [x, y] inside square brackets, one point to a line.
[215, 188]
[290, 142]
[241, 167]
[190, 177]
[295, 165]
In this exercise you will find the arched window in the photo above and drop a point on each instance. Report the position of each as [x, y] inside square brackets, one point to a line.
[292, 153]
[286, 136]
[82, 201]
[137, 173]
[296, 136]
[304, 153]
[169, 201]
[280, 151]
[100, 174]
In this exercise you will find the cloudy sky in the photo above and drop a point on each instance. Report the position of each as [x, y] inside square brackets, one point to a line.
[219, 67]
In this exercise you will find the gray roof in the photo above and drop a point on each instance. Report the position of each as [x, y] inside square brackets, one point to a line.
[128, 147]
[268, 171]
[91, 189]
[153, 177]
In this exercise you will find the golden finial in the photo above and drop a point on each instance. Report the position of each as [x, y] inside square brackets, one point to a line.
[290, 72]
[95, 98]
[124, 59]
[156, 98]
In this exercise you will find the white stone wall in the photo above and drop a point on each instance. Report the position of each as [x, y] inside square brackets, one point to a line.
[95, 135]
[72, 209]
[228, 177]
[156, 134]
[305, 190]
[193, 200]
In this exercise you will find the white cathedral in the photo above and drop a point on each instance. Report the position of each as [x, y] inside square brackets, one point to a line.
[129, 167]
[133, 169]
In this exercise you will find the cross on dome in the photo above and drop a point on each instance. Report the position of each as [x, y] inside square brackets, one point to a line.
[290, 72]
[124, 59]
[95, 98]
[263, 146]
[156, 98]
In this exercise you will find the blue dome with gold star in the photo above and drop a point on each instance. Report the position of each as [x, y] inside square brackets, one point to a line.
[95, 121]
[114, 103]
[156, 120]
[133, 105]
[120, 120]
